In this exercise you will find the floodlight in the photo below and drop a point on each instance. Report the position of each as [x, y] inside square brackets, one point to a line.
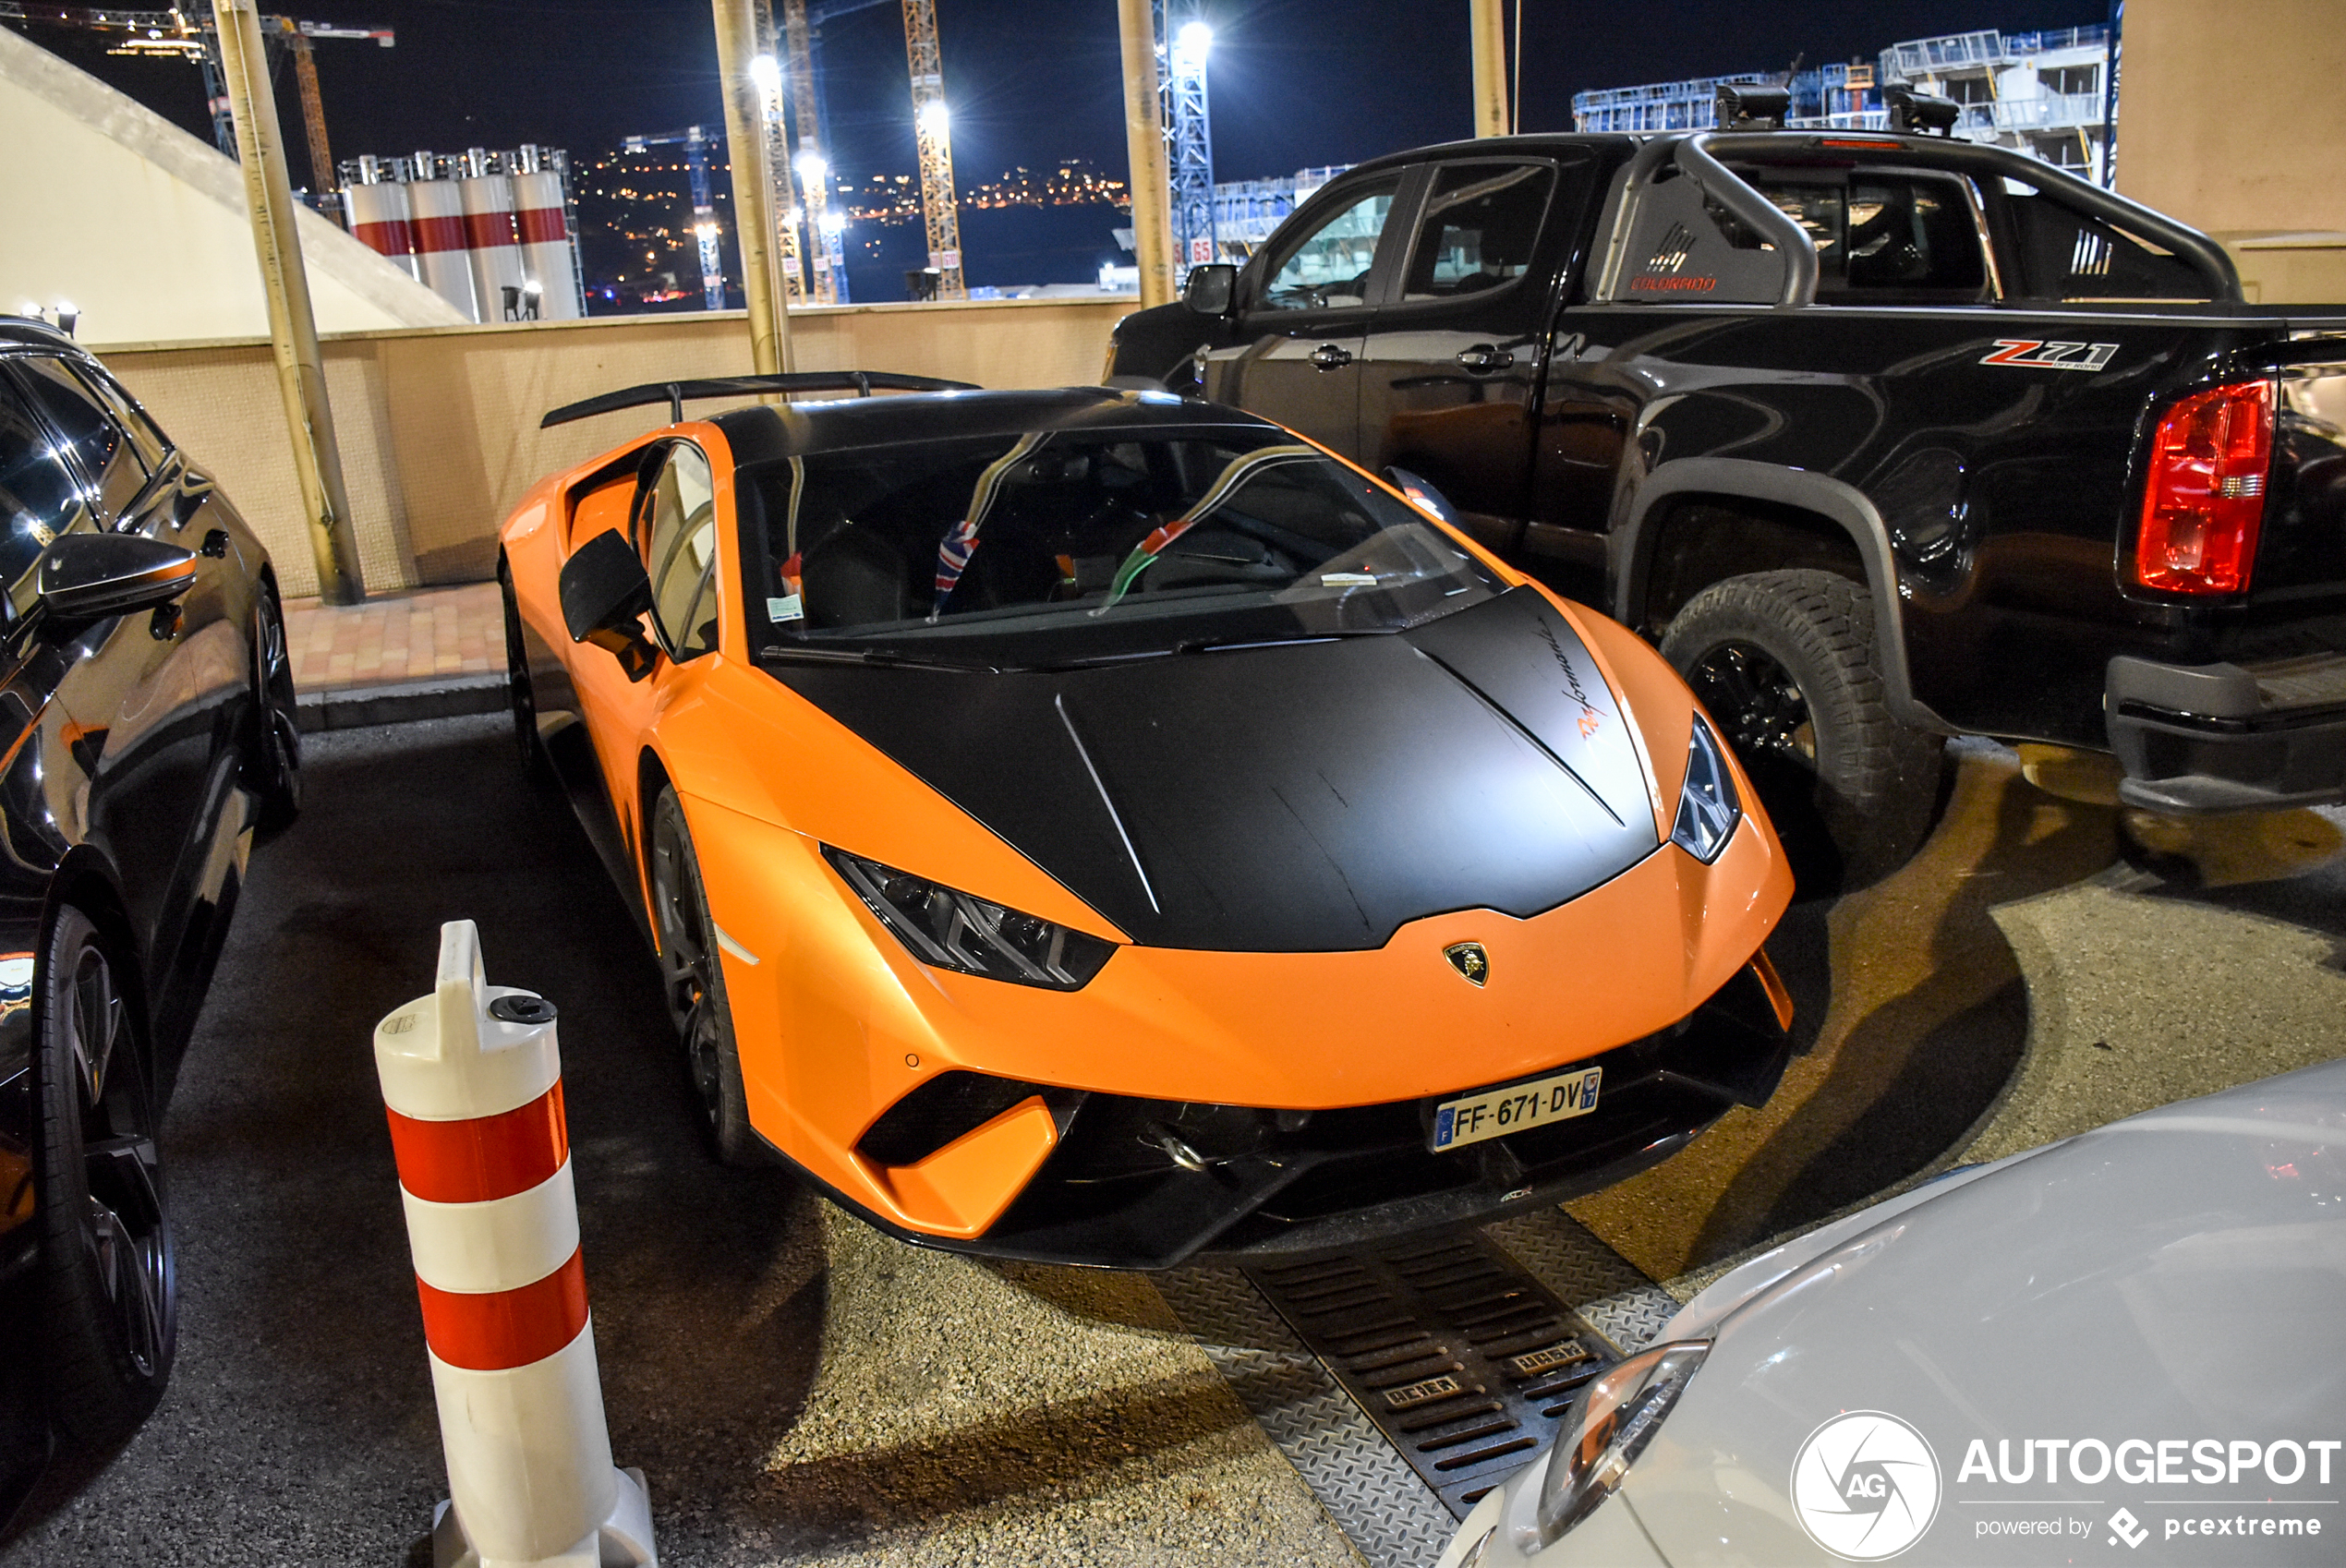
[765, 72]
[1191, 45]
[935, 119]
[811, 167]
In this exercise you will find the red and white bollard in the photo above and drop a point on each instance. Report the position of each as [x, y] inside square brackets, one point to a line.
[472, 1081]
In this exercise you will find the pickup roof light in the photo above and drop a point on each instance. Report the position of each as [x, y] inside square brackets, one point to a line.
[2205, 497]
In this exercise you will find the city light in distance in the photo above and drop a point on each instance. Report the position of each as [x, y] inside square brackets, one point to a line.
[935, 119]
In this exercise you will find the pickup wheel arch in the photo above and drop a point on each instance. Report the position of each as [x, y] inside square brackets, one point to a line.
[1637, 534]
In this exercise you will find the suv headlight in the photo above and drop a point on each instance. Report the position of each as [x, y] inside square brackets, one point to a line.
[956, 931]
[1708, 805]
[1608, 1426]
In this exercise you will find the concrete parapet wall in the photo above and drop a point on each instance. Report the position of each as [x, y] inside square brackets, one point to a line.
[439, 426]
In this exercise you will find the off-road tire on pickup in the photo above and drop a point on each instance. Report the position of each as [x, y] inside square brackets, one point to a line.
[1787, 663]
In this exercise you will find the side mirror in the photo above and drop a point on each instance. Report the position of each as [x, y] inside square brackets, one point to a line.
[605, 593]
[1211, 288]
[89, 577]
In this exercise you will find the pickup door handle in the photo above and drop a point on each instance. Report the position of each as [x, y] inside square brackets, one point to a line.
[1329, 356]
[1482, 357]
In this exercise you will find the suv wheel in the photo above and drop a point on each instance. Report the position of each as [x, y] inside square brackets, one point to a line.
[108, 1318]
[1787, 663]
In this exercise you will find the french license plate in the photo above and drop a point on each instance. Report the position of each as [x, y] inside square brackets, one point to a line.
[1558, 1097]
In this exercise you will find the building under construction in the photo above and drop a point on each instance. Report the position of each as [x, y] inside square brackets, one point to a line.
[2050, 94]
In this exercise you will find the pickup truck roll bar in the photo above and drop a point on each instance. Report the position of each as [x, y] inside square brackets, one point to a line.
[1699, 156]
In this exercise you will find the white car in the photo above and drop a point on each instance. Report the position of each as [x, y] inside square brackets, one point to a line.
[2123, 1348]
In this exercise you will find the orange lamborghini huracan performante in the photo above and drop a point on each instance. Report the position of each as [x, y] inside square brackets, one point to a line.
[1097, 828]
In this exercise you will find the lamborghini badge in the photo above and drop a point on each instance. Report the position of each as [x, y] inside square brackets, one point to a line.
[1469, 959]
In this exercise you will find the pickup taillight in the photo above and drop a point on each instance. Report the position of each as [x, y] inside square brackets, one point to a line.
[2205, 497]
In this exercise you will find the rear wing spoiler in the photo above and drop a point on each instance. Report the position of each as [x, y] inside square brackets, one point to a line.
[862, 383]
[1698, 156]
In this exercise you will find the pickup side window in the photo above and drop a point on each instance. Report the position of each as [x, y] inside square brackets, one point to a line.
[1328, 268]
[1879, 233]
[1481, 222]
[2068, 255]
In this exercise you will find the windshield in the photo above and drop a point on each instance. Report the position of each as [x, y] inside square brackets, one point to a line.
[1058, 546]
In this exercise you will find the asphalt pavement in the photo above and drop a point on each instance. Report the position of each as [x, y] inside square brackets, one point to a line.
[802, 1390]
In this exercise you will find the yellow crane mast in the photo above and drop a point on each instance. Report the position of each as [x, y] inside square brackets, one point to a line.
[932, 125]
[766, 69]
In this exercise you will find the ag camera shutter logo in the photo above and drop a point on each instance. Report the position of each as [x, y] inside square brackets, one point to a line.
[1865, 1486]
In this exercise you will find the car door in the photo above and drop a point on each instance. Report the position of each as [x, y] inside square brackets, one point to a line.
[1450, 366]
[1304, 310]
[156, 695]
[670, 516]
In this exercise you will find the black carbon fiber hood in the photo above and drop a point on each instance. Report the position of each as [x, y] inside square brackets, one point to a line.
[1294, 798]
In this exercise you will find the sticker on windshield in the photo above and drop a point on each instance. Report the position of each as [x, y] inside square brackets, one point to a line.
[2039, 354]
[788, 608]
[1347, 579]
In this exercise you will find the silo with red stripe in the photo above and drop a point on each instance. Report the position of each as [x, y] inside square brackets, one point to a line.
[443, 255]
[541, 213]
[494, 245]
[375, 201]
[472, 1085]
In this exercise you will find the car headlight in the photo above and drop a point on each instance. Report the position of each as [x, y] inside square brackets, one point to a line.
[1608, 1426]
[958, 931]
[1708, 805]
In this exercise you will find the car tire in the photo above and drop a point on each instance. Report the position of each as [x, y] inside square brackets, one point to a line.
[693, 982]
[273, 766]
[108, 1305]
[519, 695]
[1788, 665]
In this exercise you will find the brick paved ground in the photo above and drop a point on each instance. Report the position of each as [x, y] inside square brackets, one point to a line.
[396, 638]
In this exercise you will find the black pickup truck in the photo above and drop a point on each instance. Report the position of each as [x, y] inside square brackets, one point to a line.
[1883, 437]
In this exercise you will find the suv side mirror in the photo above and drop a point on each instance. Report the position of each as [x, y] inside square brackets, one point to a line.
[1211, 288]
[88, 576]
[605, 592]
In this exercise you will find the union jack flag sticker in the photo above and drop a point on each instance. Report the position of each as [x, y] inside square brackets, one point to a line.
[954, 558]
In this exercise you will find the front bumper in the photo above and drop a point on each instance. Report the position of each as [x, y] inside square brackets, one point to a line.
[1145, 1184]
[2207, 738]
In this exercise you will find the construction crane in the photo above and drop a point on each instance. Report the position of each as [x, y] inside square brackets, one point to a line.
[695, 143]
[766, 71]
[933, 130]
[194, 38]
[824, 234]
[1183, 42]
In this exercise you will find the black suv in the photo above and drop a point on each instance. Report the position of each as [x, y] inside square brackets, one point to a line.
[1882, 435]
[146, 733]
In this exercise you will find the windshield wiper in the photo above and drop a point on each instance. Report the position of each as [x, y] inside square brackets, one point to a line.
[1205, 645]
[783, 653]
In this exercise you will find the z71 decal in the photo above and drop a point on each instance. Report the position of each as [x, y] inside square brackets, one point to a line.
[2041, 356]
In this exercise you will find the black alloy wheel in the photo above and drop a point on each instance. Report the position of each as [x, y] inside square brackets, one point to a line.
[1785, 663]
[692, 981]
[274, 767]
[518, 692]
[109, 1308]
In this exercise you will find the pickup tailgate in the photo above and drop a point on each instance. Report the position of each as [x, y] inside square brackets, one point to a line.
[2301, 558]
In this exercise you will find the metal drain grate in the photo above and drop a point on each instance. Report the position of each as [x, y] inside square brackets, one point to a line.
[1462, 1359]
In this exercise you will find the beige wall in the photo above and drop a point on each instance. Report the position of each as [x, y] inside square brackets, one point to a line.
[146, 229]
[2231, 117]
[439, 426]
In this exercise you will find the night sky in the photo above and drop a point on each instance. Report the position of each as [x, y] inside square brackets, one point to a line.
[1295, 83]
